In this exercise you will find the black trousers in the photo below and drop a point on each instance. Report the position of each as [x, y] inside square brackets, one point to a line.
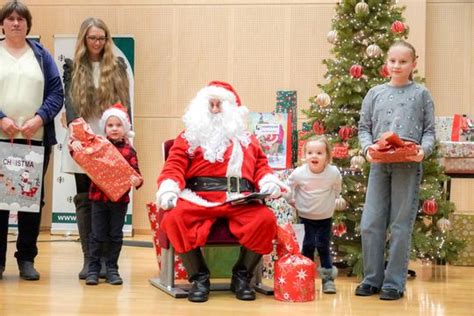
[28, 223]
[108, 219]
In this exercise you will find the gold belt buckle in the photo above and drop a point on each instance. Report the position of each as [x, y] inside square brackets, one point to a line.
[229, 184]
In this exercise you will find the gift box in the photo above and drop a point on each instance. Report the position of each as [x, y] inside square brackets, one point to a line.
[102, 162]
[463, 228]
[443, 127]
[390, 148]
[457, 149]
[458, 165]
[154, 215]
[286, 103]
[463, 128]
[294, 273]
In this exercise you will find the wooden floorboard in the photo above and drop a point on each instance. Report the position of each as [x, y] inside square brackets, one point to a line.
[437, 290]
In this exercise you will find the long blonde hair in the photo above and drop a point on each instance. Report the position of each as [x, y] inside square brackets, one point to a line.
[113, 84]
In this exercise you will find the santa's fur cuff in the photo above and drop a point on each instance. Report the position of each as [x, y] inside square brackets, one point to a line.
[271, 178]
[167, 185]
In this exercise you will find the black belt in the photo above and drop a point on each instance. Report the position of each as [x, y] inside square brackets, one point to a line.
[229, 184]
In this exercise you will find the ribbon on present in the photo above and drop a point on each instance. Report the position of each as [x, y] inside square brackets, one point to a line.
[102, 162]
[391, 148]
[155, 216]
[287, 242]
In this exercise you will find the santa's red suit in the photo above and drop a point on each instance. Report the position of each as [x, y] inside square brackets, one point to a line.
[188, 224]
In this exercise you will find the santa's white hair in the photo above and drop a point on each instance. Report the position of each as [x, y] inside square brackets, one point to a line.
[214, 132]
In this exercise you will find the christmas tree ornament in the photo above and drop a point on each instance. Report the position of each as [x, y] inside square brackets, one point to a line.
[345, 132]
[430, 207]
[357, 162]
[339, 229]
[340, 151]
[323, 100]
[356, 71]
[373, 51]
[318, 128]
[383, 71]
[362, 8]
[332, 37]
[398, 27]
[443, 224]
[341, 204]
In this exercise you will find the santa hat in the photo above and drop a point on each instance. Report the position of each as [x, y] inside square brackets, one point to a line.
[119, 111]
[220, 90]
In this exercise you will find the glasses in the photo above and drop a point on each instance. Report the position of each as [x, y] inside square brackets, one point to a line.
[100, 39]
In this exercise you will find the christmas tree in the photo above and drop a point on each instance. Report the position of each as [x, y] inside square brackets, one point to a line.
[362, 32]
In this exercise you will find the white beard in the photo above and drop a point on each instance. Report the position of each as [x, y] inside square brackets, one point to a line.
[214, 132]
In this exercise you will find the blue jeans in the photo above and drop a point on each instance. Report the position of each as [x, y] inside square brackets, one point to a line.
[107, 222]
[317, 235]
[390, 210]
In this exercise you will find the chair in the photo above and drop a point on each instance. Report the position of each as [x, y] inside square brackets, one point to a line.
[219, 235]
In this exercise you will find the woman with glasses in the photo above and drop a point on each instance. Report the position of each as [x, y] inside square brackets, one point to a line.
[95, 80]
[31, 95]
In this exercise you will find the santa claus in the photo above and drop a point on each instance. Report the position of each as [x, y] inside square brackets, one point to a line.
[213, 160]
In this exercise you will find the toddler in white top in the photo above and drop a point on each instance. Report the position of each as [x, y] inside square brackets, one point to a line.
[314, 188]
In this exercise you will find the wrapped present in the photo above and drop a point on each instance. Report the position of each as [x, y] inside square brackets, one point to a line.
[444, 127]
[463, 228]
[102, 162]
[390, 148]
[457, 149]
[458, 165]
[294, 278]
[462, 129]
[154, 215]
[294, 273]
[286, 103]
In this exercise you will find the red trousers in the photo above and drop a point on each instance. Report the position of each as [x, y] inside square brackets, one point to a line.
[188, 225]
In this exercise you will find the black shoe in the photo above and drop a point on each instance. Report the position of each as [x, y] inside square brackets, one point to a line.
[390, 294]
[364, 289]
[92, 279]
[241, 286]
[28, 271]
[2, 268]
[85, 267]
[113, 277]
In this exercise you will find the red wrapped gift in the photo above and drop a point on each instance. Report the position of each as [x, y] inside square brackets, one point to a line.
[391, 148]
[294, 278]
[155, 218]
[102, 162]
[286, 240]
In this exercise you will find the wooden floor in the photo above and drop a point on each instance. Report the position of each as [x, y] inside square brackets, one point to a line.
[437, 290]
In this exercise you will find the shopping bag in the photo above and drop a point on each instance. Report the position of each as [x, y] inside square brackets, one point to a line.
[102, 162]
[21, 173]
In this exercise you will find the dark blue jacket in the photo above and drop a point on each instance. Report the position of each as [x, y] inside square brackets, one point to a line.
[53, 95]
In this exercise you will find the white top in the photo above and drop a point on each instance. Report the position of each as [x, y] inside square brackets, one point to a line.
[21, 88]
[314, 194]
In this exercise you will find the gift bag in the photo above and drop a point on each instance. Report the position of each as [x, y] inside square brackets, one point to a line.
[220, 260]
[21, 173]
[102, 162]
[154, 215]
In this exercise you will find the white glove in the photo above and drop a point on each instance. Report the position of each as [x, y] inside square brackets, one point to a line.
[272, 188]
[168, 200]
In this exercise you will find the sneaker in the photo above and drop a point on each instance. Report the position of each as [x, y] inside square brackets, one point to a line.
[28, 271]
[113, 277]
[390, 294]
[92, 279]
[365, 289]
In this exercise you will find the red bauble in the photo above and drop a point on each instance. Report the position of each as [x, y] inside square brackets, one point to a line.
[430, 207]
[383, 71]
[398, 27]
[346, 132]
[339, 229]
[318, 128]
[356, 71]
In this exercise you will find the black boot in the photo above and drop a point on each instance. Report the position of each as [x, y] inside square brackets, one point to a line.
[28, 271]
[2, 268]
[83, 219]
[198, 274]
[242, 274]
